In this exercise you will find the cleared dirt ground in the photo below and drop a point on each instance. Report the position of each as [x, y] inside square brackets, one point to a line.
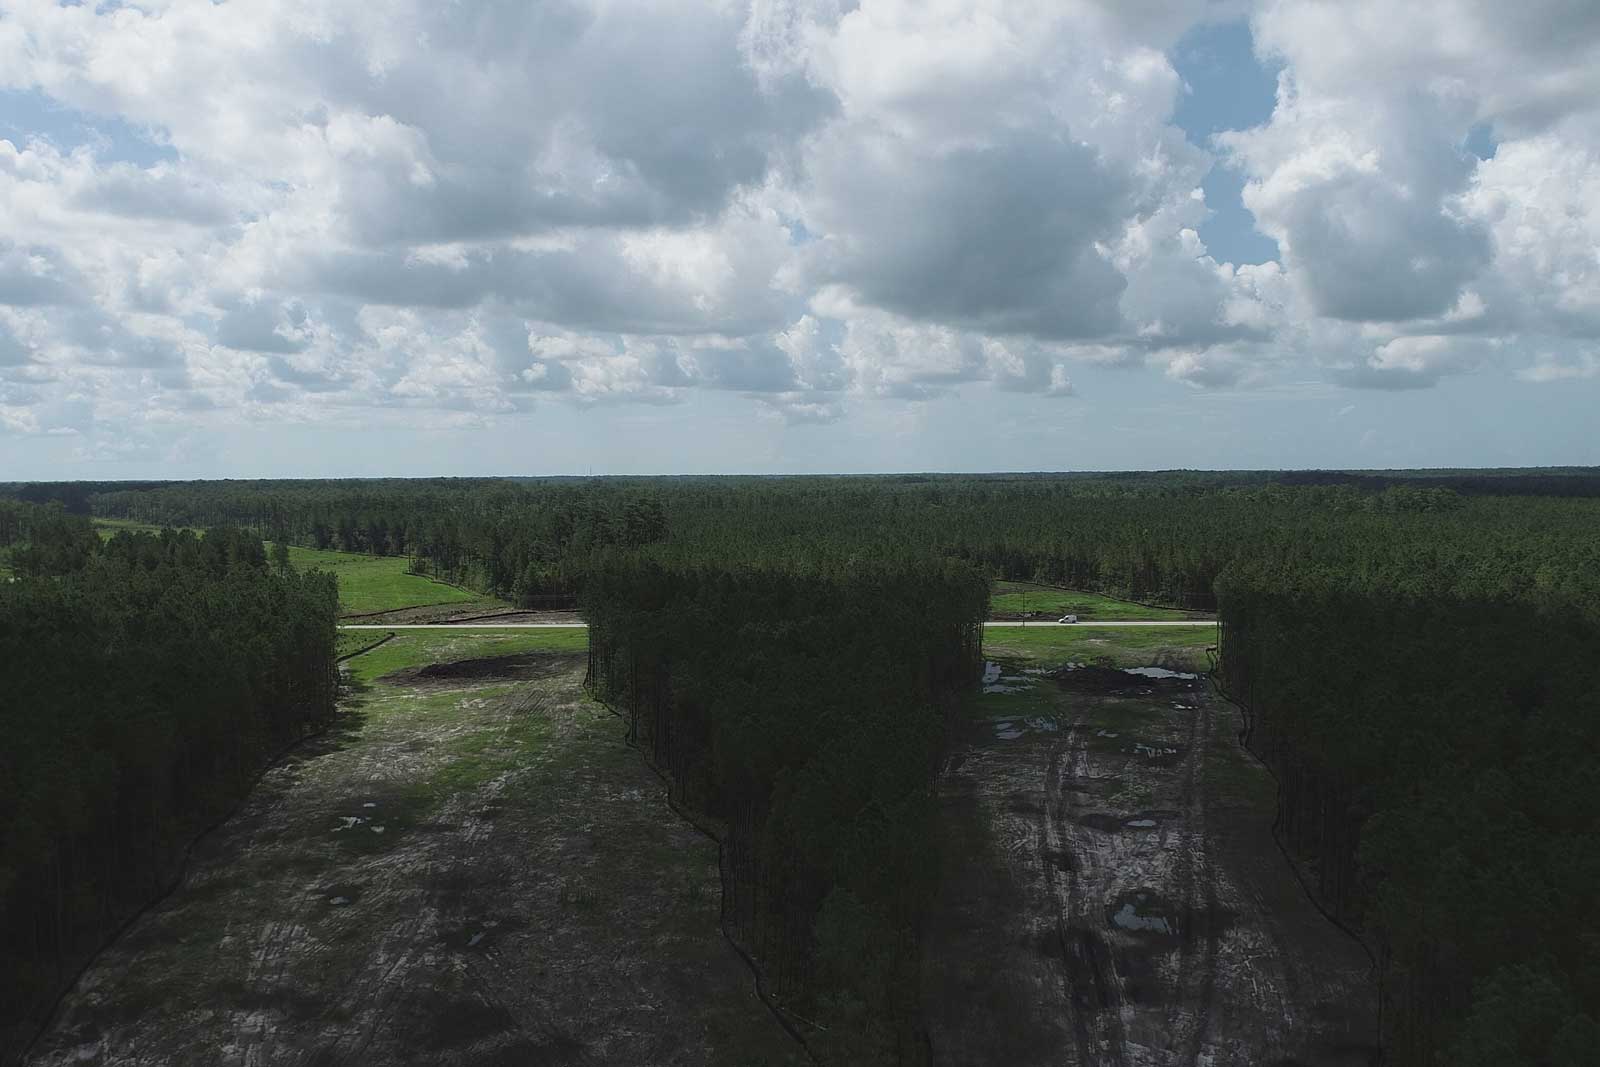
[1113, 894]
[472, 870]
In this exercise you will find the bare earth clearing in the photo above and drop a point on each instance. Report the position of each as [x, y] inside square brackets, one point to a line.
[474, 869]
[1115, 896]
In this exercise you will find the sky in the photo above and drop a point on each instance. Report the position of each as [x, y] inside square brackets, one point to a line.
[299, 238]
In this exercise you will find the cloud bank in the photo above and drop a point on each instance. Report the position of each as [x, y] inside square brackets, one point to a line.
[478, 209]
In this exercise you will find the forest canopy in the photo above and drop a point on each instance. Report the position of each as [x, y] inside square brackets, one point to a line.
[1414, 651]
[147, 680]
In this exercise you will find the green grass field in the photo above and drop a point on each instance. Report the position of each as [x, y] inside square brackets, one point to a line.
[1020, 652]
[413, 648]
[366, 583]
[1015, 598]
[1051, 646]
[376, 583]
[109, 528]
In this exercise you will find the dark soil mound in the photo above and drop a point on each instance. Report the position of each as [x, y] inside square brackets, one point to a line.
[519, 668]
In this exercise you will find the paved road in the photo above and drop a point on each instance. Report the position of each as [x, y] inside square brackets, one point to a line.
[1128, 622]
[578, 625]
[465, 626]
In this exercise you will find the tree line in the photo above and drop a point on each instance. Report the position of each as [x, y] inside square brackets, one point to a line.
[805, 710]
[1435, 734]
[1161, 537]
[147, 680]
[508, 539]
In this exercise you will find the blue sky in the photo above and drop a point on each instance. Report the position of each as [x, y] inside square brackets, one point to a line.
[26, 114]
[1229, 89]
[888, 236]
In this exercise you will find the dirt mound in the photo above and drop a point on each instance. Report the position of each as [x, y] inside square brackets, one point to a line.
[524, 667]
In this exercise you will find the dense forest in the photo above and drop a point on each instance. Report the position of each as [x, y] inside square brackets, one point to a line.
[510, 540]
[806, 713]
[1435, 734]
[1151, 536]
[1416, 654]
[147, 680]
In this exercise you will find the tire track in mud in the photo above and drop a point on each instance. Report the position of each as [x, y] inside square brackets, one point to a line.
[1127, 898]
[1091, 984]
[1196, 886]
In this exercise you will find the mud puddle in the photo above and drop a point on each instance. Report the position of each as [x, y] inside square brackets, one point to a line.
[1108, 823]
[1090, 678]
[1143, 911]
[1011, 729]
[996, 681]
[1161, 673]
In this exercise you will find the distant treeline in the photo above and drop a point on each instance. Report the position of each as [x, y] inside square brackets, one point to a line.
[145, 683]
[807, 712]
[510, 540]
[1158, 536]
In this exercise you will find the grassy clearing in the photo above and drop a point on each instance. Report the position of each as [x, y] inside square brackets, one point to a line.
[366, 583]
[1019, 651]
[1051, 646]
[1016, 598]
[478, 758]
[376, 583]
[549, 770]
[481, 817]
[109, 528]
[413, 648]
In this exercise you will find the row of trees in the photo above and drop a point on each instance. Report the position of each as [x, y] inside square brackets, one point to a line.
[1435, 733]
[510, 539]
[146, 683]
[807, 710]
[1156, 536]
[37, 540]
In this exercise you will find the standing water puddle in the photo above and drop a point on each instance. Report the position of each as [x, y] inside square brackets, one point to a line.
[1141, 911]
[994, 683]
[1011, 729]
[1159, 672]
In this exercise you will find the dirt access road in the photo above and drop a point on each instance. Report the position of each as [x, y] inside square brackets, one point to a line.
[1115, 896]
[474, 870]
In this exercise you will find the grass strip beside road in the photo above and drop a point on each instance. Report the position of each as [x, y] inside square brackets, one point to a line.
[1129, 646]
[414, 648]
[1017, 598]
